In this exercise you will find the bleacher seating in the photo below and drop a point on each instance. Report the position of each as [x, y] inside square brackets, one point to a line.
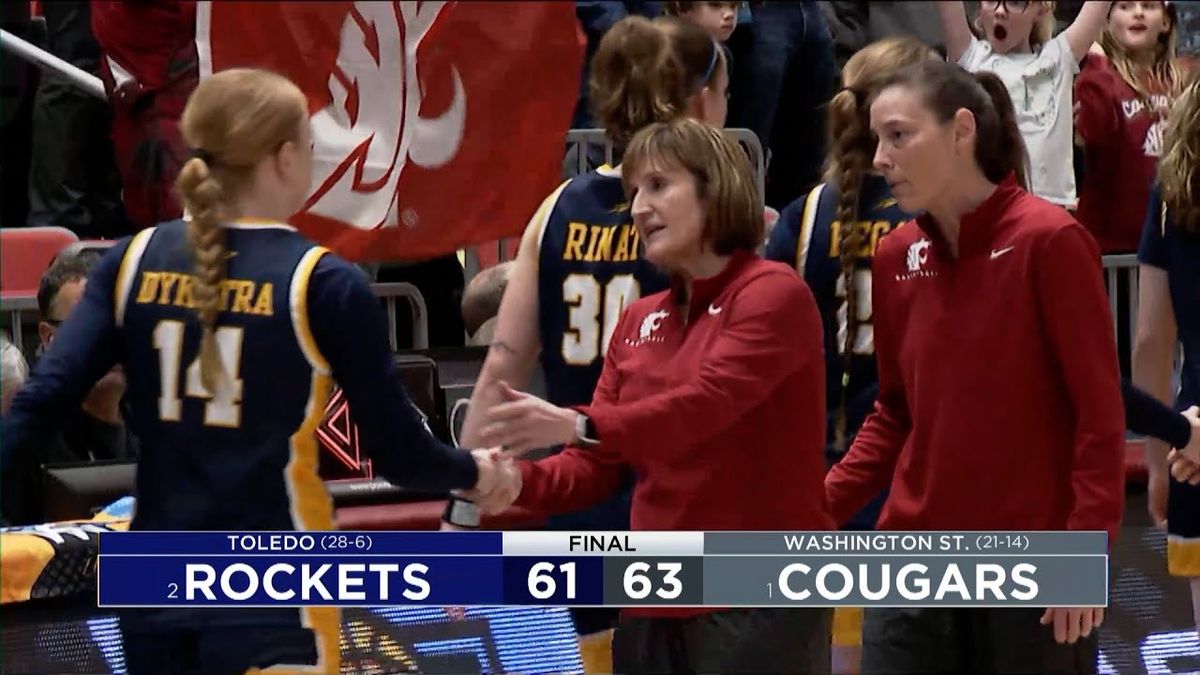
[98, 245]
[25, 253]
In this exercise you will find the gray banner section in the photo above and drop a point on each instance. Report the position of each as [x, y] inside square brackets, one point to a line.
[920, 543]
[916, 581]
[630, 582]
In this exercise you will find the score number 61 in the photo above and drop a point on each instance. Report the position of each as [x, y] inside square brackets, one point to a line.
[638, 584]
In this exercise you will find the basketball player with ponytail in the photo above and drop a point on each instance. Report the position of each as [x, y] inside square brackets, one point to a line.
[999, 404]
[231, 328]
[831, 234]
[1169, 317]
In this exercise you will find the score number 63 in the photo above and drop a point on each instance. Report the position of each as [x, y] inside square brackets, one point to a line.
[638, 584]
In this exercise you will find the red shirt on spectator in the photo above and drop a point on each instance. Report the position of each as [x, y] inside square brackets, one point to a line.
[999, 402]
[143, 36]
[721, 415]
[1122, 139]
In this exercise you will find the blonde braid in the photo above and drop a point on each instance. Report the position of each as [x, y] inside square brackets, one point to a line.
[204, 198]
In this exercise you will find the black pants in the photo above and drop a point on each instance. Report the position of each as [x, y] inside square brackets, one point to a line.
[736, 641]
[73, 178]
[969, 641]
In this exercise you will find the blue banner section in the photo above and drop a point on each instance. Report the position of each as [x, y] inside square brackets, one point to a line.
[554, 581]
[276, 543]
[284, 581]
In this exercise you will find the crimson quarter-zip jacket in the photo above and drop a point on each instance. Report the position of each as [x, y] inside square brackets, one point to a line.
[1000, 402]
[719, 408]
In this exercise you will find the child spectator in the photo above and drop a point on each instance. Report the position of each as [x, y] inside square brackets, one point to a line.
[1121, 98]
[718, 19]
[1013, 40]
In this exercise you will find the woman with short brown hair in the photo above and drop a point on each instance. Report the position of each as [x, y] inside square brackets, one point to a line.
[712, 391]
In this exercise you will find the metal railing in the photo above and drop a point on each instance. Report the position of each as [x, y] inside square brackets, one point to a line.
[392, 291]
[1122, 271]
[48, 62]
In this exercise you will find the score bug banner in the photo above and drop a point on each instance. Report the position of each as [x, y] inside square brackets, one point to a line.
[622, 569]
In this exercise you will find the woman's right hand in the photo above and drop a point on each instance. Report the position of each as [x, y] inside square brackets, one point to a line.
[499, 481]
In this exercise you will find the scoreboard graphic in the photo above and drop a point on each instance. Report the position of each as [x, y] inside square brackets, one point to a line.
[1148, 626]
[614, 569]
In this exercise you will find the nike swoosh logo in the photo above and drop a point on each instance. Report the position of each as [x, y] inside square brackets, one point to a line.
[997, 252]
[714, 310]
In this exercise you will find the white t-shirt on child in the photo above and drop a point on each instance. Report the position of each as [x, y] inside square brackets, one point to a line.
[1040, 87]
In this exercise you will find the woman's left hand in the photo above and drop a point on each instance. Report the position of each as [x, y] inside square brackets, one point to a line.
[524, 422]
[1072, 623]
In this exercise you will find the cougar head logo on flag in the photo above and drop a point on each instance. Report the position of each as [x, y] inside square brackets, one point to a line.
[436, 125]
[361, 149]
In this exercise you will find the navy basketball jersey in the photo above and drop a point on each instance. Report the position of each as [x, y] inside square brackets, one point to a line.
[229, 461]
[1176, 252]
[808, 236]
[1169, 248]
[589, 270]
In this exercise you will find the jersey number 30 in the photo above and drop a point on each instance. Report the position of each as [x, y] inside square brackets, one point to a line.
[593, 314]
[223, 410]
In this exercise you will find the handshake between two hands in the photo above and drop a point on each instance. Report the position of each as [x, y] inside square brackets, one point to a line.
[499, 482]
[520, 423]
[1185, 462]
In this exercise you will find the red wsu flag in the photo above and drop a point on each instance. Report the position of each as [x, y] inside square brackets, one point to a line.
[437, 125]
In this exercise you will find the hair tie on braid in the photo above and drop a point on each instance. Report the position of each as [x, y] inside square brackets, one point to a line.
[860, 96]
[202, 155]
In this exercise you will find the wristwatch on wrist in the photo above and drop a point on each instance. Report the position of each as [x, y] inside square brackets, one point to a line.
[585, 431]
[461, 512]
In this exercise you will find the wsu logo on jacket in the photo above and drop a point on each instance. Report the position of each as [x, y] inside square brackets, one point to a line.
[650, 324]
[916, 259]
[412, 104]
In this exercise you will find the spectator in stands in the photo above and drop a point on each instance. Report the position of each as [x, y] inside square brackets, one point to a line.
[831, 235]
[73, 181]
[18, 87]
[1169, 314]
[1013, 40]
[13, 372]
[579, 264]
[712, 390]
[1121, 101]
[97, 430]
[784, 73]
[93, 431]
[989, 314]
[232, 329]
[481, 302]
[855, 25]
[718, 19]
[149, 68]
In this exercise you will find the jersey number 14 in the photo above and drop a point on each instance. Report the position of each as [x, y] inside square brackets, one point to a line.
[593, 314]
[222, 410]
